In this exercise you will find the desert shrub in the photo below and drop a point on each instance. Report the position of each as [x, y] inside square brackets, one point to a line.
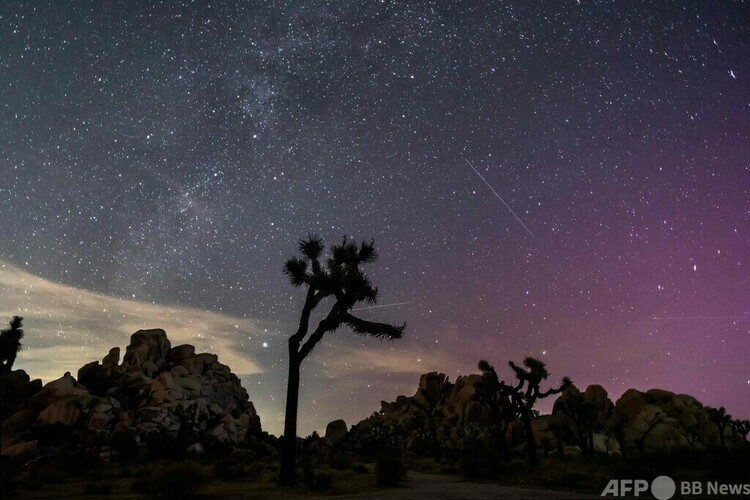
[341, 461]
[389, 469]
[178, 481]
[228, 469]
[470, 466]
[96, 475]
[254, 470]
[140, 484]
[573, 478]
[125, 443]
[124, 473]
[361, 468]
[163, 445]
[379, 437]
[449, 469]
[308, 473]
[322, 482]
[313, 479]
[310, 439]
[97, 488]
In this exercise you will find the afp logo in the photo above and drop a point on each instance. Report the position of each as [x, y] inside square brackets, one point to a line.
[662, 488]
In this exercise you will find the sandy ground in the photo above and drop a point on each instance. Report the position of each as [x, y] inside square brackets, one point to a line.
[420, 486]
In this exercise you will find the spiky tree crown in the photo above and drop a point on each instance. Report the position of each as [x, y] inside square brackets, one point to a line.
[341, 276]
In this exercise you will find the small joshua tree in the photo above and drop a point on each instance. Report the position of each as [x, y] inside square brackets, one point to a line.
[526, 393]
[10, 344]
[741, 427]
[496, 395]
[721, 419]
[583, 413]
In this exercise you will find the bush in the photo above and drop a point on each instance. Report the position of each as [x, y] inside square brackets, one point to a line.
[227, 469]
[341, 461]
[389, 470]
[125, 443]
[97, 488]
[361, 468]
[322, 482]
[178, 481]
[254, 470]
[469, 466]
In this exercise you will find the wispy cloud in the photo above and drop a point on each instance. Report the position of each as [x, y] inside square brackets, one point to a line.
[67, 327]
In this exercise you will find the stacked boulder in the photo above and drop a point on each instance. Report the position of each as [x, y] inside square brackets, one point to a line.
[447, 407]
[662, 421]
[158, 394]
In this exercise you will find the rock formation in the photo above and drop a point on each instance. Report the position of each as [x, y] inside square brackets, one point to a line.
[448, 415]
[159, 394]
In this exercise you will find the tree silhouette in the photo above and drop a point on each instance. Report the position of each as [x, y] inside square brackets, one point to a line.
[430, 410]
[496, 395]
[10, 344]
[583, 413]
[341, 279]
[722, 419]
[741, 427]
[526, 393]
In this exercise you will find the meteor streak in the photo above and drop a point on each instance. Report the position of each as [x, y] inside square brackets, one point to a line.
[670, 318]
[499, 198]
[383, 305]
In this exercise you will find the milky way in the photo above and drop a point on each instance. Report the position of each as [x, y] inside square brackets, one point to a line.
[170, 154]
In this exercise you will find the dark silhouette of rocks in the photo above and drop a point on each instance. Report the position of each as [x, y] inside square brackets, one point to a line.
[15, 388]
[158, 396]
[655, 421]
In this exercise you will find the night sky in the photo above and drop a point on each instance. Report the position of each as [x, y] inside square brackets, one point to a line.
[568, 180]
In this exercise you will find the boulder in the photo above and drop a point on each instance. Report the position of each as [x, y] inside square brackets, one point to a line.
[65, 411]
[180, 352]
[16, 387]
[606, 444]
[336, 432]
[19, 421]
[22, 451]
[146, 345]
[630, 404]
[65, 386]
[112, 359]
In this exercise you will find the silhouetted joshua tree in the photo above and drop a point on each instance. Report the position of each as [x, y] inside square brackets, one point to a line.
[722, 419]
[526, 393]
[10, 344]
[496, 395]
[741, 427]
[432, 413]
[340, 279]
[583, 413]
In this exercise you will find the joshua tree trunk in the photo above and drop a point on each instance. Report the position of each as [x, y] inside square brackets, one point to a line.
[502, 441]
[530, 441]
[435, 443]
[289, 445]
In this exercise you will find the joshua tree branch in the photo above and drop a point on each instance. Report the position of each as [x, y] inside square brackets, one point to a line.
[380, 330]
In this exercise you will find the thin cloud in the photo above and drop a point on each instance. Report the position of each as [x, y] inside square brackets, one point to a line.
[67, 327]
